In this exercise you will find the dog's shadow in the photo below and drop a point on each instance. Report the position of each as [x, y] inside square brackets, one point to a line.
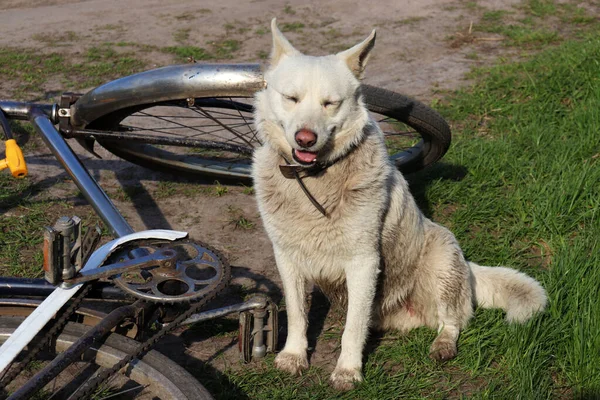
[420, 181]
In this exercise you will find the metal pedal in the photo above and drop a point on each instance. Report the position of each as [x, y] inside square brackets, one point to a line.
[65, 250]
[258, 332]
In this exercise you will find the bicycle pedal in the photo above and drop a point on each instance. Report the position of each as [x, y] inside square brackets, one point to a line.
[258, 332]
[66, 250]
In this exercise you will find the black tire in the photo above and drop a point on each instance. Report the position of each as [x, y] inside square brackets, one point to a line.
[434, 130]
[426, 141]
[164, 378]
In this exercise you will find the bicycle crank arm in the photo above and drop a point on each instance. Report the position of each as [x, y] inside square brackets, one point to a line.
[36, 321]
[161, 258]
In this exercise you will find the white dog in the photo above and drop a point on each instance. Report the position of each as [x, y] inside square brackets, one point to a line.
[361, 231]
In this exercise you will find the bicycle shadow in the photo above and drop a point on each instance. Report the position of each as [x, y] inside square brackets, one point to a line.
[220, 385]
[126, 181]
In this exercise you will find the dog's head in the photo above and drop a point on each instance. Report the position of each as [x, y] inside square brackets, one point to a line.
[311, 109]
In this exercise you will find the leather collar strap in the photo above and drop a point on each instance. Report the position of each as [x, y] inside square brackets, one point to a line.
[291, 171]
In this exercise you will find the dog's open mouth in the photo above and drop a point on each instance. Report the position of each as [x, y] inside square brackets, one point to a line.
[304, 157]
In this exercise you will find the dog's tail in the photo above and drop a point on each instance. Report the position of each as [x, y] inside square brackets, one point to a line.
[518, 294]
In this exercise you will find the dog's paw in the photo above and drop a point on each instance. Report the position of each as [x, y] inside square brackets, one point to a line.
[443, 350]
[292, 363]
[344, 379]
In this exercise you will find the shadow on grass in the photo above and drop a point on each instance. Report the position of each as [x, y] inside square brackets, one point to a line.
[216, 382]
[420, 181]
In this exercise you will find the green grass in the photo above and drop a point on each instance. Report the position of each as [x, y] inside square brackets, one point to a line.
[181, 35]
[525, 32]
[238, 220]
[289, 10]
[31, 69]
[533, 178]
[219, 190]
[102, 62]
[225, 48]
[541, 8]
[28, 67]
[519, 35]
[184, 52]
[219, 50]
[537, 23]
[409, 21]
[292, 27]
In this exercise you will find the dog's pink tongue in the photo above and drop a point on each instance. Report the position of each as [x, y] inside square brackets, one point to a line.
[306, 156]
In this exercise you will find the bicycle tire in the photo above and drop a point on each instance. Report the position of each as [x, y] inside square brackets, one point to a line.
[163, 377]
[433, 132]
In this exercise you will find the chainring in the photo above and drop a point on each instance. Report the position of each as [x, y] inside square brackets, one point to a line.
[198, 271]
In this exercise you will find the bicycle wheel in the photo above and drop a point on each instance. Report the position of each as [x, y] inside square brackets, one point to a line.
[154, 376]
[215, 137]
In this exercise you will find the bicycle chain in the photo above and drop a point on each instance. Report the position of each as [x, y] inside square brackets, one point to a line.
[12, 371]
[86, 389]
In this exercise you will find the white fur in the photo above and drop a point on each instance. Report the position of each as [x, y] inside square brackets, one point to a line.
[398, 269]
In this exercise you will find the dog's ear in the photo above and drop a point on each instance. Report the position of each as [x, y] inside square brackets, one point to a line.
[356, 57]
[281, 46]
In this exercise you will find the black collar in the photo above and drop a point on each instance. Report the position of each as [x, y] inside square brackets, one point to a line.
[294, 171]
[299, 172]
[290, 171]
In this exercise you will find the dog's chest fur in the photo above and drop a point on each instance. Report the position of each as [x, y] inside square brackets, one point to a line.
[323, 245]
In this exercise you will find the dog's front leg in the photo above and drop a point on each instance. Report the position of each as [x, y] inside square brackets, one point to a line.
[361, 280]
[293, 358]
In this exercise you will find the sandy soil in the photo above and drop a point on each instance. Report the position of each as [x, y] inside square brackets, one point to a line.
[413, 55]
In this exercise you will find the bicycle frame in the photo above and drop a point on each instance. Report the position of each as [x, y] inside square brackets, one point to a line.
[183, 81]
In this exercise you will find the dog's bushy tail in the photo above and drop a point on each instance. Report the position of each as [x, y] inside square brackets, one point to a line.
[518, 294]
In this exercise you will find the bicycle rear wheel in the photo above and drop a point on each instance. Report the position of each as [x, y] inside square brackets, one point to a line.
[153, 377]
[215, 136]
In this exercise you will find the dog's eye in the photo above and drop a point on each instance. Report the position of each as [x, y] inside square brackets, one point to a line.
[331, 103]
[290, 98]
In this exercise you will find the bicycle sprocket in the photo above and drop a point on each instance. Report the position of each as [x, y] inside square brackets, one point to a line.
[197, 271]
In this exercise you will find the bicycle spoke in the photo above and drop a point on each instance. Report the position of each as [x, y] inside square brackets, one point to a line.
[199, 132]
[208, 123]
[232, 140]
[201, 111]
[178, 124]
[249, 125]
[133, 128]
[141, 114]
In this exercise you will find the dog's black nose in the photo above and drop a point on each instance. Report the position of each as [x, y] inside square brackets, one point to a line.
[306, 138]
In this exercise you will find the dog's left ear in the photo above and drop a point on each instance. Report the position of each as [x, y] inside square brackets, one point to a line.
[281, 46]
[356, 57]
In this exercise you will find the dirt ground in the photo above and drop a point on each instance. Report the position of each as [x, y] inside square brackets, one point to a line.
[416, 54]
